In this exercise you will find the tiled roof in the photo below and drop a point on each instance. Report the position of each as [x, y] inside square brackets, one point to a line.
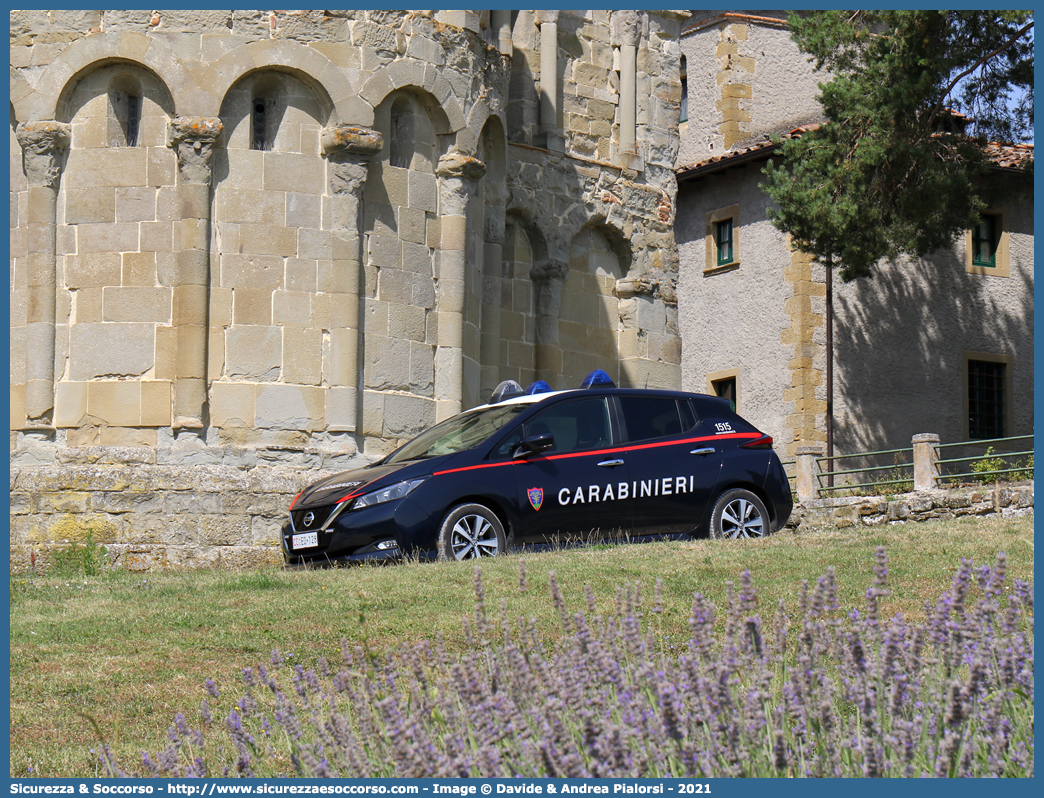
[1010, 156]
[1004, 156]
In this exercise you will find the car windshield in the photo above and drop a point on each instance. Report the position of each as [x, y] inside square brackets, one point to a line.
[457, 434]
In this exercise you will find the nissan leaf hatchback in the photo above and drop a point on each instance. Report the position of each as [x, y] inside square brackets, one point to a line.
[544, 466]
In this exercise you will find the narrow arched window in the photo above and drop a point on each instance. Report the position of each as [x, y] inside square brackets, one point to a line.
[125, 98]
[259, 125]
[403, 133]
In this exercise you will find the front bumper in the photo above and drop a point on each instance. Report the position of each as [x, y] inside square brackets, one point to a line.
[360, 535]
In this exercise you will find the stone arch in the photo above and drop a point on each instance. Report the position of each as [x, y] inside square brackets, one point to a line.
[291, 115]
[425, 128]
[589, 316]
[523, 246]
[21, 91]
[425, 81]
[52, 92]
[326, 80]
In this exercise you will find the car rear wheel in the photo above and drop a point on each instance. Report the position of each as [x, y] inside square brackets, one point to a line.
[739, 513]
[470, 531]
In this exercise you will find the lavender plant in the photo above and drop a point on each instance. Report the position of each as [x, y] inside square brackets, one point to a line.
[819, 694]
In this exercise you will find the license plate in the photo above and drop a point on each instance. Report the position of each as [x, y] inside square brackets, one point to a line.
[305, 540]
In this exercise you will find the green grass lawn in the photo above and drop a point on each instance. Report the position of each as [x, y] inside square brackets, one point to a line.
[131, 650]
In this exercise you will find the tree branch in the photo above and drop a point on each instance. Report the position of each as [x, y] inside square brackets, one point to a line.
[953, 83]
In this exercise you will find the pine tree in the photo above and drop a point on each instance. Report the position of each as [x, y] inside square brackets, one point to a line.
[899, 167]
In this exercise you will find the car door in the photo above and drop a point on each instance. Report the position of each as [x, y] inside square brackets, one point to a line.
[572, 490]
[674, 470]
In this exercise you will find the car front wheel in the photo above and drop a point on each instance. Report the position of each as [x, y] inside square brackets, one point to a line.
[739, 513]
[470, 531]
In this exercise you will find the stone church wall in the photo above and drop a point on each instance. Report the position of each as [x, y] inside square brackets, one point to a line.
[253, 240]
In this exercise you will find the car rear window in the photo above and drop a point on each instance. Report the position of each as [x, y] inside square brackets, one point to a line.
[646, 417]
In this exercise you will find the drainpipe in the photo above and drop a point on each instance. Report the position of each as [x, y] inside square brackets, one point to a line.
[830, 367]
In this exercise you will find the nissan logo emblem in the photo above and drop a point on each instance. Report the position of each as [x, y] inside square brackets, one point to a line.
[308, 518]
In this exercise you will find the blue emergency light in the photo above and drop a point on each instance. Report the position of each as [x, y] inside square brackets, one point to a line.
[598, 379]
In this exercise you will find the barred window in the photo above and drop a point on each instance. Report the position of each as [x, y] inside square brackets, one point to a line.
[986, 386]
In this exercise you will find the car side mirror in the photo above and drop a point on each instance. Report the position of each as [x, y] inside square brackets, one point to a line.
[534, 444]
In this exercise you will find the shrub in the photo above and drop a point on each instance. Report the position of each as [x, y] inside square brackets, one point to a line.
[816, 693]
[87, 559]
[987, 466]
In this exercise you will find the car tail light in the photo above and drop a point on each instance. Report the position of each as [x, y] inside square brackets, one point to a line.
[764, 442]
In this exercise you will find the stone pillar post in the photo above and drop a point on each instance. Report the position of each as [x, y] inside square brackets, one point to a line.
[808, 472]
[548, 278]
[502, 25]
[458, 175]
[193, 140]
[349, 150]
[625, 34]
[548, 22]
[43, 146]
[492, 268]
[925, 460]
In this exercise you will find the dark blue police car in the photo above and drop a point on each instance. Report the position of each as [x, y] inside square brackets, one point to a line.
[538, 466]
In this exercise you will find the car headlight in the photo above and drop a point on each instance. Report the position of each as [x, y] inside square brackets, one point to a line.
[390, 493]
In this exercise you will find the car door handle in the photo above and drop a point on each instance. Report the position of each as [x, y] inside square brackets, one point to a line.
[611, 463]
[707, 450]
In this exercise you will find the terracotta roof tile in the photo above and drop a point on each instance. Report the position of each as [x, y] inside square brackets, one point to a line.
[1005, 156]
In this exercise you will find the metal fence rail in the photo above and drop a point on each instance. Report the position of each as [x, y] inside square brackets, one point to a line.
[865, 470]
[987, 457]
[918, 467]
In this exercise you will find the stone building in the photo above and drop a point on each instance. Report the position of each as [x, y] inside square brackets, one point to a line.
[943, 345]
[251, 246]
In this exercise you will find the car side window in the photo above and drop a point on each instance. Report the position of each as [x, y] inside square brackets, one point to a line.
[647, 417]
[578, 424]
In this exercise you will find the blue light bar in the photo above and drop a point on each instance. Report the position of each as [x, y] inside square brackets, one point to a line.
[598, 379]
[508, 389]
[537, 387]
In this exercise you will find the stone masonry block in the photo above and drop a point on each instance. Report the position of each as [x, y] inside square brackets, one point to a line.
[290, 407]
[139, 269]
[407, 416]
[110, 350]
[137, 304]
[155, 403]
[341, 409]
[252, 271]
[232, 404]
[290, 172]
[291, 309]
[300, 275]
[303, 210]
[90, 205]
[252, 207]
[136, 204]
[95, 269]
[251, 307]
[121, 166]
[266, 240]
[423, 190]
[396, 185]
[253, 352]
[387, 366]
[317, 244]
[116, 402]
[302, 356]
[70, 403]
[106, 238]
